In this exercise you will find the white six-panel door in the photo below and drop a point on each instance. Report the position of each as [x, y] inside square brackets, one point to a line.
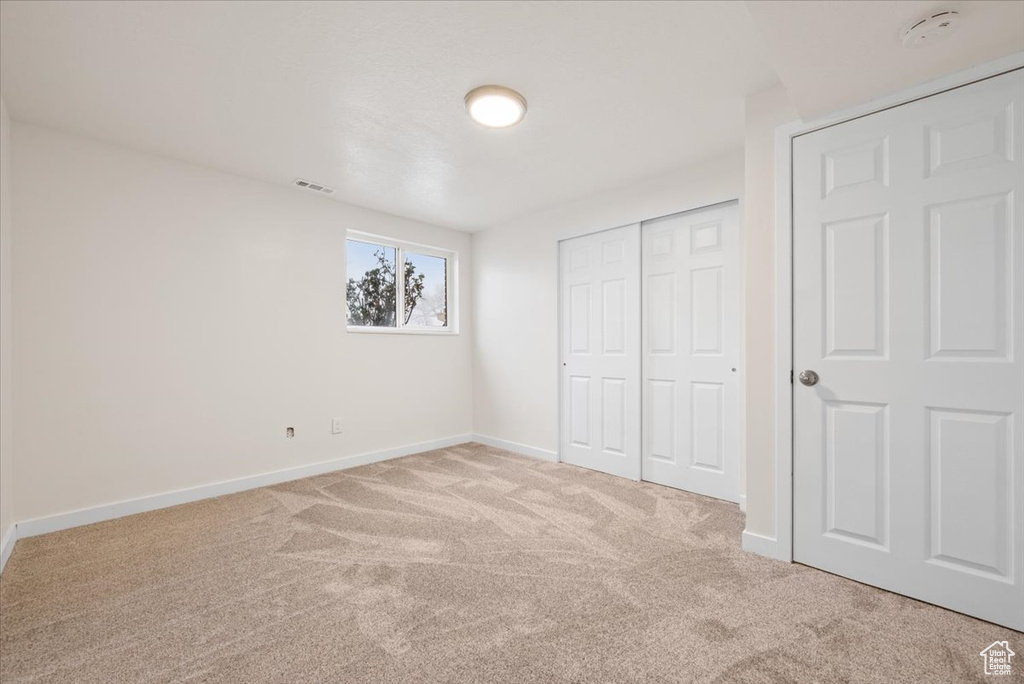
[600, 343]
[908, 285]
[691, 323]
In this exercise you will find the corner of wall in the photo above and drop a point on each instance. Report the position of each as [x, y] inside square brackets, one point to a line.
[7, 527]
[764, 111]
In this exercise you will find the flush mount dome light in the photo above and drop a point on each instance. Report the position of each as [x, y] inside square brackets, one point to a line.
[495, 106]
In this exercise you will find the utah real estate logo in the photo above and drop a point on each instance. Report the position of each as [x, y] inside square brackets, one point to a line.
[997, 658]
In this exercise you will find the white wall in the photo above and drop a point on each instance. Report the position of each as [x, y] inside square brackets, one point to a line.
[6, 338]
[764, 112]
[171, 321]
[515, 285]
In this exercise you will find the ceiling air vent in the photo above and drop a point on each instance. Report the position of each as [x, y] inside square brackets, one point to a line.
[310, 185]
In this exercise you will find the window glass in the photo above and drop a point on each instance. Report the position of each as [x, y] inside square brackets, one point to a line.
[371, 290]
[426, 290]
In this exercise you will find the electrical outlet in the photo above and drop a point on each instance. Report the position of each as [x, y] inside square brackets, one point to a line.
[337, 426]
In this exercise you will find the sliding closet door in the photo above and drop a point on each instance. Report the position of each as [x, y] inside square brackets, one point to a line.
[600, 343]
[691, 324]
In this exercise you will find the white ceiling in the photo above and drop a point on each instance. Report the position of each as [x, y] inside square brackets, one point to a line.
[368, 97]
[833, 55]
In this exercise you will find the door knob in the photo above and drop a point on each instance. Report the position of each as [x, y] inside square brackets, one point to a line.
[809, 378]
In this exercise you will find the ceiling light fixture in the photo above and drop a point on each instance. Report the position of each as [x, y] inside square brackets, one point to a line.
[495, 106]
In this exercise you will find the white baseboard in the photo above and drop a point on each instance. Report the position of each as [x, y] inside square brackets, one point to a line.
[743, 502]
[533, 452]
[88, 516]
[761, 545]
[7, 544]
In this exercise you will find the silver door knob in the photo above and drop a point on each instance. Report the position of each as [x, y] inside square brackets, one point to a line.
[809, 378]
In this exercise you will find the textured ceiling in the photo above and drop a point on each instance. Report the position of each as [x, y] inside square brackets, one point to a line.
[368, 97]
[834, 55]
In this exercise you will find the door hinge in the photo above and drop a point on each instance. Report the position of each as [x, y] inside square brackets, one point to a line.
[790, 376]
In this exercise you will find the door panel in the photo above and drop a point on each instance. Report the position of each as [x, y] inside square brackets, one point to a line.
[579, 410]
[613, 417]
[706, 310]
[908, 278]
[857, 472]
[691, 325]
[600, 290]
[969, 451]
[969, 295]
[856, 287]
[707, 403]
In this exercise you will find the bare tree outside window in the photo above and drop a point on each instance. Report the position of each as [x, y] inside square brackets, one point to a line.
[372, 295]
[431, 308]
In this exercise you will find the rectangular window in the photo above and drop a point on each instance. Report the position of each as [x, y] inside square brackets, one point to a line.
[416, 298]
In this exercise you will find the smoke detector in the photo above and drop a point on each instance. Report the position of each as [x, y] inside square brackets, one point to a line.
[930, 29]
[315, 187]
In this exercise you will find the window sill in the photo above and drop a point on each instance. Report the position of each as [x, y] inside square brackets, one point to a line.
[367, 330]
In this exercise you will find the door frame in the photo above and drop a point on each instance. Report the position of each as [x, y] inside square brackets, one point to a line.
[781, 546]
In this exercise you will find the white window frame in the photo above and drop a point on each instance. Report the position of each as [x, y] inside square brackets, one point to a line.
[401, 247]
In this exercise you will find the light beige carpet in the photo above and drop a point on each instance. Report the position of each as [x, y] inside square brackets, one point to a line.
[467, 564]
